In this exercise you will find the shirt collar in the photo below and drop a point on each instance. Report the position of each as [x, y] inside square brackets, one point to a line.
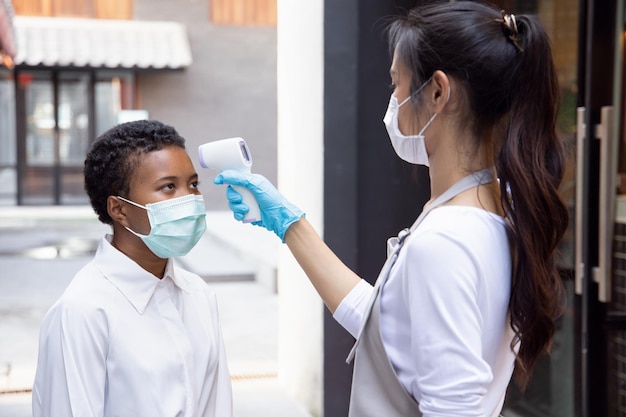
[179, 279]
[134, 282]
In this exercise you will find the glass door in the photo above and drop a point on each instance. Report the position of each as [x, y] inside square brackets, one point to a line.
[8, 152]
[39, 150]
[600, 284]
[54, 132]
[586, 374]
[74, 133]
[612, 287]
[589, 354]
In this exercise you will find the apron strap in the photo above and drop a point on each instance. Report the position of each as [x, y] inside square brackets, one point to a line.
[475, 179]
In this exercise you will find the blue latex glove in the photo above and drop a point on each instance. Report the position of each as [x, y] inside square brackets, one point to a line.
[277, 214]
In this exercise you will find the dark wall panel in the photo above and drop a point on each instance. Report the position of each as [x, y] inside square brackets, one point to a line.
[369, 193]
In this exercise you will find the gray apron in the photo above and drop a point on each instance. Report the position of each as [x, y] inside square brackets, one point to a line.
[376, 390]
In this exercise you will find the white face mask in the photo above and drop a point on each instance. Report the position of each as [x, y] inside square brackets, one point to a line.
[411, 148]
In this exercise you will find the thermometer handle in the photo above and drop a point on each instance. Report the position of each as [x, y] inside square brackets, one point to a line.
[254, 215]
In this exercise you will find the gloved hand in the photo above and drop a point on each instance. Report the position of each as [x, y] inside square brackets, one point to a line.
[277, 214]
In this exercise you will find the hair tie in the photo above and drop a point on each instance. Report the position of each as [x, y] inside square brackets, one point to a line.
[509, 26]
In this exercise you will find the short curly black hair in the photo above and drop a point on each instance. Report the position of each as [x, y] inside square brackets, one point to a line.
[112, 159]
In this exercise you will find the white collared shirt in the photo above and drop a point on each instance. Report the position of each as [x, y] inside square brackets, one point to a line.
[121, 342]
[443, 313]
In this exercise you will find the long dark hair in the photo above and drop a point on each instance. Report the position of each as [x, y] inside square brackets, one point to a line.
[505, 68]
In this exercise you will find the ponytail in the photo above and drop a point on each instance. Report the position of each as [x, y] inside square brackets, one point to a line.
[530, 166]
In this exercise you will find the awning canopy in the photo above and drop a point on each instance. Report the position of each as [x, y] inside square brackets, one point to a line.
[100, 43]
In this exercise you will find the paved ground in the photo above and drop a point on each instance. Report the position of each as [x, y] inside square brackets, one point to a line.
[41, 249]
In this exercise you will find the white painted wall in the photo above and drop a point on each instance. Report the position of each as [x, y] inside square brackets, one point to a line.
[300, 81]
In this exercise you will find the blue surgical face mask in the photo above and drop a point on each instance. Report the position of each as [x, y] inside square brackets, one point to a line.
[176, 225]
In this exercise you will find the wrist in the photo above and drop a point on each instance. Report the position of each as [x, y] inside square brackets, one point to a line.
[287, 226]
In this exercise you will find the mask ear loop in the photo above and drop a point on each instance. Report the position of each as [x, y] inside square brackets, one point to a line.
[132, 202]
[139, 235]
[416, 92]
[432, 118]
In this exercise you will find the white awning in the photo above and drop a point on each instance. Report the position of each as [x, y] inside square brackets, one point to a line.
[100, 43]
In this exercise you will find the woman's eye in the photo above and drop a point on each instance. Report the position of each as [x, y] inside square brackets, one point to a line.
[392, 86]
[169, 187]
[194, 184]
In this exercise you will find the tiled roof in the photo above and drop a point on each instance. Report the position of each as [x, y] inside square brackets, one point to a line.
[100, 43]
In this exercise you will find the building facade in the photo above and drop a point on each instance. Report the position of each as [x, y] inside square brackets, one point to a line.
[82, 67]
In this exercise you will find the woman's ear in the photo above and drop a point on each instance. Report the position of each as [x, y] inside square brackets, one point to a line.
[440, 94]
[115, 208]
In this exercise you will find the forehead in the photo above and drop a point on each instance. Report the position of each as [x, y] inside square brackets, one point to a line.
[171, 161]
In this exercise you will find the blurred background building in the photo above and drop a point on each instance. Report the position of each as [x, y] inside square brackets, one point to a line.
[80, 67]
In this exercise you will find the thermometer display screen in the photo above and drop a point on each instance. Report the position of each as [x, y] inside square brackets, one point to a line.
[245, 152]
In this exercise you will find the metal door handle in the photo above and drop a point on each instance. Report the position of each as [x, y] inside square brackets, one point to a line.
[606, 204]
[579, 266]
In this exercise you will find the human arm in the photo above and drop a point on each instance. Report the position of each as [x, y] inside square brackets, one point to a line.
[332, 279]
[329, 275]
[350, 312]
[71, 372]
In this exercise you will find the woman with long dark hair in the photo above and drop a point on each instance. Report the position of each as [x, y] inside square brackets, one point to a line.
[469, 292]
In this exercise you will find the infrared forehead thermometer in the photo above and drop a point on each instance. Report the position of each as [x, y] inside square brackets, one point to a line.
[232, 153]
